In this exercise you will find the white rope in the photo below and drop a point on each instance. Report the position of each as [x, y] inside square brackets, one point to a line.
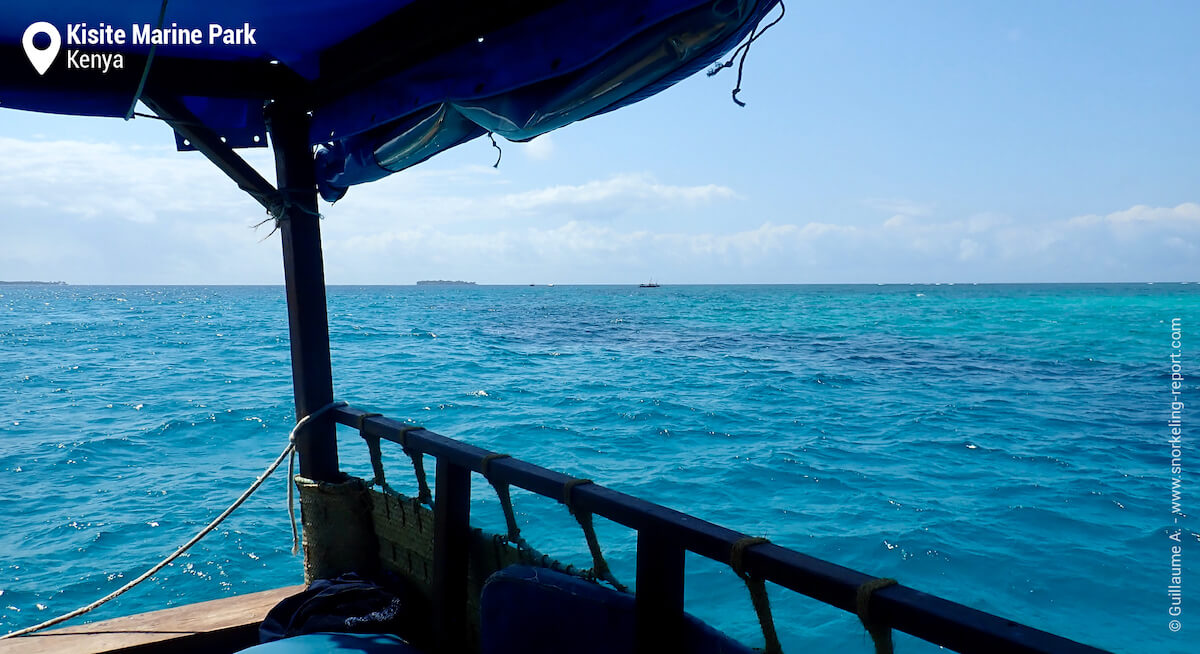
[195, 539]
[292, 500]
[292, 471]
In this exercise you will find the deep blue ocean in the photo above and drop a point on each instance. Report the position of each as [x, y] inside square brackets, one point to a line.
[1003, 446]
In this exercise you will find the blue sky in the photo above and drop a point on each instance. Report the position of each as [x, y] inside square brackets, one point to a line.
[882, 142]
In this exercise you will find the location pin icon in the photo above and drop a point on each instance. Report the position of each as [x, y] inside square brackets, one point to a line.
[41, 59]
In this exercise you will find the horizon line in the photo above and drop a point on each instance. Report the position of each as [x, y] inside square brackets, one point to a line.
[618, 284]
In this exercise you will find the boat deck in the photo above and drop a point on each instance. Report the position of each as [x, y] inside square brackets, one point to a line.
[223, 625]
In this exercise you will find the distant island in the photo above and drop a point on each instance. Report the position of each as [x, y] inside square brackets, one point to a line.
[443, 282]
[4, 283]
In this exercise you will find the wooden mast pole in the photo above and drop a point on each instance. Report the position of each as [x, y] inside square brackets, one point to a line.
[304, 277]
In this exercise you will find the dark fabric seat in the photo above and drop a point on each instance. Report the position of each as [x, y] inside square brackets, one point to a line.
[332, 643]
[525, 610]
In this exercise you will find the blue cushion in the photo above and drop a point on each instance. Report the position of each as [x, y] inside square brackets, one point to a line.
[525, 610]
[321, 643]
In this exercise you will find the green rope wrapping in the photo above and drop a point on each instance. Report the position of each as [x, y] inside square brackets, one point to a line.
[527, 552]
[758, 591]
[362, 421]
[600, 569]
[570, 486]
[487, 461]
[881, 633]
[510, 517]
[424, 495]
[374, 450]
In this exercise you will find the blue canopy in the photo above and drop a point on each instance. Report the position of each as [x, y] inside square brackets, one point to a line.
[389, 83]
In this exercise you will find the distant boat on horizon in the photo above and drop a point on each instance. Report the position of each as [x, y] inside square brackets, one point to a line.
[649, 284]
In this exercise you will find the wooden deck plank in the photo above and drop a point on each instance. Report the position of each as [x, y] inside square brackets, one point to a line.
[192, 627]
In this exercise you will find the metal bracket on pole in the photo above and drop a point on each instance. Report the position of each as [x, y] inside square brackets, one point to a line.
[174, 113]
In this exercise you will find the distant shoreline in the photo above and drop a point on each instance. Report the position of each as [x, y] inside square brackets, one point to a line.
[624, 284]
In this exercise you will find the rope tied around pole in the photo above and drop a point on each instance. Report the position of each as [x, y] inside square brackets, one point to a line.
[600, 569]
[758, 591]
[292, 469]
[570, 486]
[279, 204]
[285, 454]
[487, 460]
[881, 632]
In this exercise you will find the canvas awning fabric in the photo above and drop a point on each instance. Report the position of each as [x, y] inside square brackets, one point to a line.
[389, 83]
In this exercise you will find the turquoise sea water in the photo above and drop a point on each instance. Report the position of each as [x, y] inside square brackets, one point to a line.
[1000, 446]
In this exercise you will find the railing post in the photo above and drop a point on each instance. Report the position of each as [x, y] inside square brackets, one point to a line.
[451, 533]
[660, 564]
[304, 278]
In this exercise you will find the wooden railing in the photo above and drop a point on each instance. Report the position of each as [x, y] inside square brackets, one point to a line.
[663, 537]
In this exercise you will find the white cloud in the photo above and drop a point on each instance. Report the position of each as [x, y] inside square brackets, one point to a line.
[618, 189]
[1184, 214]
[983, 222]
[483, 198]
[88, 180]
[541, 148]
[901, 206]
[1178, 243]
[97, 212]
